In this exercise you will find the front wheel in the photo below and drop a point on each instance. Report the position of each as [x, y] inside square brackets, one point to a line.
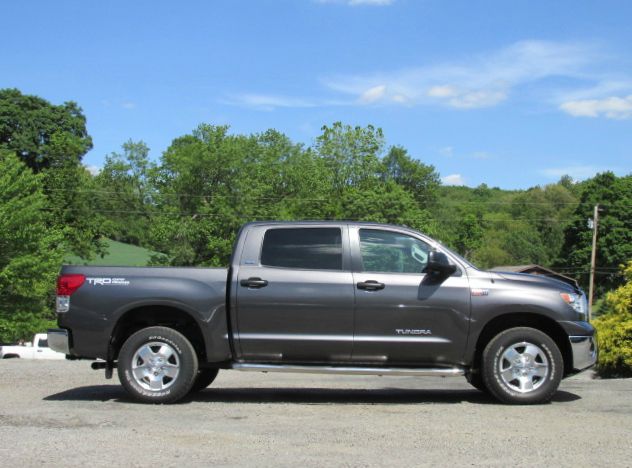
[522, 366]
[157, 365]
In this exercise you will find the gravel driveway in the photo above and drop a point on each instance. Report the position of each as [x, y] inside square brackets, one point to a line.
[64, 414]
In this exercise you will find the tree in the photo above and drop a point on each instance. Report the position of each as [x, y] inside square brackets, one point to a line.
[386, 202]
[547, 209]
[614, 330]
[419, 179]
[41, 134]
[52, 140]
[614, 245]
[125, 191]
[469, 235]
[351, 154]
[30, 253]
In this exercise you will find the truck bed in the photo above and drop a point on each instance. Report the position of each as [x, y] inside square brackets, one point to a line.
[111, 293]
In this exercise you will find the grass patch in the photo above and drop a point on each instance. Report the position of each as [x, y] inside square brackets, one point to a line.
[119, 254]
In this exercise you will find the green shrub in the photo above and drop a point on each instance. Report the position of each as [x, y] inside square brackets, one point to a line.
[614, 331]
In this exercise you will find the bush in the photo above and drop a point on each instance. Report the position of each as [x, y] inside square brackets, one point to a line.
[614, 331]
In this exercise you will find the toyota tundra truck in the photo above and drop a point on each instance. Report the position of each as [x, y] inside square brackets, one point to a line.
[325, 297]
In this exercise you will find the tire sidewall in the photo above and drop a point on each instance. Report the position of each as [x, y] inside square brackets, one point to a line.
[186, 357]
[205, 377]
[494, 351]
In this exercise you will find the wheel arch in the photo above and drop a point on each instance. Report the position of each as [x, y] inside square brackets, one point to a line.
[156, 315]
[524, 319]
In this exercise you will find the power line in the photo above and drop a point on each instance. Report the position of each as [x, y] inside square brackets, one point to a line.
[285, 197]
[247, 216]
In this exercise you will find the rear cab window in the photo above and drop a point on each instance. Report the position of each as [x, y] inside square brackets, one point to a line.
[303, 248]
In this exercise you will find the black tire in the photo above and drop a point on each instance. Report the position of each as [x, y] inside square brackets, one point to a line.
[476, 381]
[204, 378]
[157, 365]
[522, 366]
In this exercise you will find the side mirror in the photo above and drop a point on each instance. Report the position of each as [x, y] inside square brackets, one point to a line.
[438, 262]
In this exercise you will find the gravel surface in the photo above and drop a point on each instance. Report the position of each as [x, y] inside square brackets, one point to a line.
[64, 414]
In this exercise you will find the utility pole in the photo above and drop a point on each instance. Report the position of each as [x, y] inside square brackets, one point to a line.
[593, 261]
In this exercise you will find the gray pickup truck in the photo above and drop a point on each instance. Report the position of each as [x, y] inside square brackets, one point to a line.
[325, 297]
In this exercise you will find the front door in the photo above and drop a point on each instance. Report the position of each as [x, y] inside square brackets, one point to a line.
[403, 316]
[296, 303]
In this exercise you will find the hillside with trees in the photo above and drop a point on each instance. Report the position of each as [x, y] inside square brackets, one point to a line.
[188, 203]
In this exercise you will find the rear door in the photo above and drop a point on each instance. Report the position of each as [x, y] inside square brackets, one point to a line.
[295, 295]
[403, 316]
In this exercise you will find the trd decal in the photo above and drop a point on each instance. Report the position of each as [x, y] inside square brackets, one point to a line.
[108, 281]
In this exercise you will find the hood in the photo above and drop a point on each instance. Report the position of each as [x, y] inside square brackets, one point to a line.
[534, 279]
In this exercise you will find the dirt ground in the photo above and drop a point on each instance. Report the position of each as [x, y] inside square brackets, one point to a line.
[60, 413]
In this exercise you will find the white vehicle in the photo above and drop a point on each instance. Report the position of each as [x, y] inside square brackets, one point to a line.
[38, 349]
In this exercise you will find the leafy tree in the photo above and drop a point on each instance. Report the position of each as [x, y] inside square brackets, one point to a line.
[419, 179]
[125, 191]
[614, 245]
[52, 140]
[351, 154]
[211, 182]
[41, 134]
[386, 202]
[614, 330]
[548, 210]
[469, 235]
[30, 253]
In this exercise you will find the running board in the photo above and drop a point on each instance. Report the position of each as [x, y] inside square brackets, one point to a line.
[433, 371]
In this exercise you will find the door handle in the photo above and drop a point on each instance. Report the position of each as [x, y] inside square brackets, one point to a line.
[253, 283]
[371, 285]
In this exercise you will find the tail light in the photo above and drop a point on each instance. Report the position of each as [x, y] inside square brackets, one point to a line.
[67, 285]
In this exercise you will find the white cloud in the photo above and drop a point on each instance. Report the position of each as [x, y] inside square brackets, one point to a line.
[577, 172]
[372, 94]
[444, 91]
[128, 105]
[453, 179]
[480, 81]
[610, 107]
[94, 170]
[268, 101]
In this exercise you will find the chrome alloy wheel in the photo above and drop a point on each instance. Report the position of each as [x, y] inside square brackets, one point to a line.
[523, 367]
[155, 366]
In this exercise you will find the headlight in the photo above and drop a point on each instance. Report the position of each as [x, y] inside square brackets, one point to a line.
[577, 302]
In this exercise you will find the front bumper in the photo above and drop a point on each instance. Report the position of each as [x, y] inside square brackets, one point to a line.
[584, 349]
[59, 340]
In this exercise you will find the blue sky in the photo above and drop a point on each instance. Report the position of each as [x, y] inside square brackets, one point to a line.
[508, 93]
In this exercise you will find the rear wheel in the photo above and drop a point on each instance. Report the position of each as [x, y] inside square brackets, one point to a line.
[157, 365]
[522, 366]
[204, 378]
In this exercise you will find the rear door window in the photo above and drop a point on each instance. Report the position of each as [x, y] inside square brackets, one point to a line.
[304, 248]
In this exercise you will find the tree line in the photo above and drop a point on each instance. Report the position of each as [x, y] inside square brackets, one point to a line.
[188, 204]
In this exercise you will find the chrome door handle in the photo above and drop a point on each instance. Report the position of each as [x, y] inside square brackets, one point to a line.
[254, 283]
[370, 285]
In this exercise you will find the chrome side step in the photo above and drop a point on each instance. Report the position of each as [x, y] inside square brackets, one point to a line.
[440, 372]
